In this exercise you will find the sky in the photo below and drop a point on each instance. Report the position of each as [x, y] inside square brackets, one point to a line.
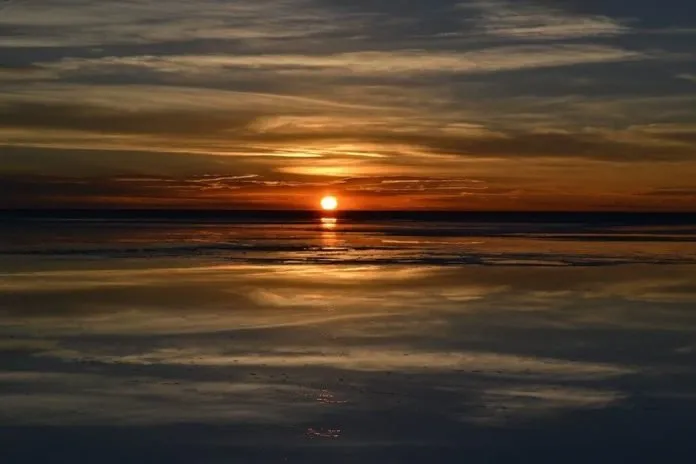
[270, 104]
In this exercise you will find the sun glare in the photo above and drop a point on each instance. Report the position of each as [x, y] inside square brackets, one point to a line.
[329, 203]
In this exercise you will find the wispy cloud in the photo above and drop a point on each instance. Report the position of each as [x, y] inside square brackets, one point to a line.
[529, 20]
[94, 23]
[687, 77]
[241, 130]
[24, 73]
[386, 63]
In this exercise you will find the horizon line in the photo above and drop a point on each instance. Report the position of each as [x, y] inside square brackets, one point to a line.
[329, 213]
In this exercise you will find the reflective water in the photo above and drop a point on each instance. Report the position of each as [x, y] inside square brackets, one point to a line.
[327, 341]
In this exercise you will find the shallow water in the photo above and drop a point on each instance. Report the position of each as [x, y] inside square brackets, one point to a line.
[347, 341]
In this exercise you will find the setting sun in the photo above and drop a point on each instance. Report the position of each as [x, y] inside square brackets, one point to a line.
[329, 203]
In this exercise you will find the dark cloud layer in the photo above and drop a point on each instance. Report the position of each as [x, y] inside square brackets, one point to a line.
[242, 128]
[90, 118]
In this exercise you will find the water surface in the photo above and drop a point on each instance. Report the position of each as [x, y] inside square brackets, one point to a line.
[374, 339]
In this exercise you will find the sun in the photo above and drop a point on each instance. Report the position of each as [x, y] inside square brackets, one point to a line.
[329, 203]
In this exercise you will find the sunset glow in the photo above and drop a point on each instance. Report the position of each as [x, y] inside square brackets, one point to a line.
[329, 203]
[477, 105]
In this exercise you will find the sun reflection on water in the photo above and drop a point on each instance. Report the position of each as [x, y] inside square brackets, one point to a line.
[329, 223]
[329, 238]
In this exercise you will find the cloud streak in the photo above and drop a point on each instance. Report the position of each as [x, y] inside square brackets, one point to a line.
[534, 21]
[377, 63]
[91, 23]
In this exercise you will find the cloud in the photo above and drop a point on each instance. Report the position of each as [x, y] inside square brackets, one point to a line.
[540, 145]
[521, 19]
[677, 134]
[93, 189]
[687, 77]
[80, 23]
[240, 132]
[388, 63]
[672, 192]
[103, 119]
[23, 73]
[140, 97]
[71, 164]
[672, 31]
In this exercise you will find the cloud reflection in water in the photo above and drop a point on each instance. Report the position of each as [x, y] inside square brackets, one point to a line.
[359, 354]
